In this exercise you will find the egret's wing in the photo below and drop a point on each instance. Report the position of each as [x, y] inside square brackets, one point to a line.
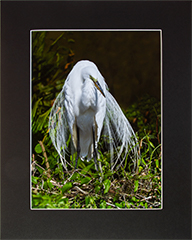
[69, 103]
[58, 127]
[122, 140]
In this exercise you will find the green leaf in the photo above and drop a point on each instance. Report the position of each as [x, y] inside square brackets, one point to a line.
[118, 205]
[108, 174]
[87, 169]
[116, 198]
[128, 205]
[35, 107]
[103, 204]
[140, 169]
[75, 176]
[134, 199]
[85, 180]
[80, 164]
[157, 163]
[107, 184]
[151, 144]
[151, 136]
[154, 151]
[97, 189]
[39, 169]
[143, 161]
[92, 201]
[40, 123]
[50, 185]
[38, 148]
[136, 185]
[66, 187]
[71, 40]
[109, 207]
[87, 200]
[34, 179]
[53, 44]
[45, 185]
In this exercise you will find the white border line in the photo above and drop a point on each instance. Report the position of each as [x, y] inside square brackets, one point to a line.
[161, 77]
[161, 80]
[96, 30]
[30, 94]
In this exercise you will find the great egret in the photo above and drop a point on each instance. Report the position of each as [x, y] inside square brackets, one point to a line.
[85, 108]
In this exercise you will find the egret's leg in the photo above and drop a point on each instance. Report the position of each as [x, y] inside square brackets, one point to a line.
[78, 147]
[94, 150]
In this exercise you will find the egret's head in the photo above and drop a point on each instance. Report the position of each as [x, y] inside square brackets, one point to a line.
[97, 85]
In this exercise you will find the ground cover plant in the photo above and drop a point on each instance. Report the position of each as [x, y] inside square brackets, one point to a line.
[52, 187]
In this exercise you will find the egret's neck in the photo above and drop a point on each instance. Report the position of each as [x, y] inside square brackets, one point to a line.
[89, 96]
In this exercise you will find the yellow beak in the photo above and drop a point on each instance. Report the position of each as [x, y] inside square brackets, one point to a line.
[97, 85]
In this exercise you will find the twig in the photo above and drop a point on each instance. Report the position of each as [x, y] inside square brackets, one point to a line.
[146, 199]
[140, 145]
[67, 180]
[112, 205]
[32, 164]
[80, 190]
[55, 183]
[39, 166]
[146, 190]
[46, 159]
[41, 189]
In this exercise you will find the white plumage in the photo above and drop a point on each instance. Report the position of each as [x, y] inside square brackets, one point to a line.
[85, 109]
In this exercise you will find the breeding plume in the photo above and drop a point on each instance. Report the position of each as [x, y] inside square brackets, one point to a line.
[82, 112]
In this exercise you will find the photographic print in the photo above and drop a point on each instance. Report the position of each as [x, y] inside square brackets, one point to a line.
[96, 120]
[96, 128]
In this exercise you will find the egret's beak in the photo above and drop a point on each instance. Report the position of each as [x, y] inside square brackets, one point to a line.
[97, 85]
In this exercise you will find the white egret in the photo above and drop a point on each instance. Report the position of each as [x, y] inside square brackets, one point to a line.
[85, 108]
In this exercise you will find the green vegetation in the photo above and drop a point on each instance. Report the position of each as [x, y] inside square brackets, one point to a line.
[85, 188]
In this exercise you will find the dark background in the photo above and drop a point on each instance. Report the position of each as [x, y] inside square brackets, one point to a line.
[17, 220]
[128, 60]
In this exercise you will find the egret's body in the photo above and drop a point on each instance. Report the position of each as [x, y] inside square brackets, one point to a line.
[85, 107]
